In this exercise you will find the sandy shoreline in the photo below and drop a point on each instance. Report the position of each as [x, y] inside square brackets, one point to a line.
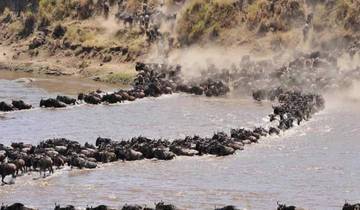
[61, 73]
[18, 58]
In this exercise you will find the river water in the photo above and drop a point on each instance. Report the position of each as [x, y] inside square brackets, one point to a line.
[315, 165]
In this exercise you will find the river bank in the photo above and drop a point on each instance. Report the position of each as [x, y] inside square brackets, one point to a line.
[13, 59]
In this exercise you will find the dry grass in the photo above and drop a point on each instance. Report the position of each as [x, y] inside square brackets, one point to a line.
[124, 78]
[204, 18]
[57, 10]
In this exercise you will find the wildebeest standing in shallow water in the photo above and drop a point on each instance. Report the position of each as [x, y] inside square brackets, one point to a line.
[7, 169]
[45, 163]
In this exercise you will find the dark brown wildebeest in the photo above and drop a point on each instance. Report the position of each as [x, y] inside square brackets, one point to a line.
[7, 169]
[20, 165]
[348, 206]
[284, 207]
[15, 206]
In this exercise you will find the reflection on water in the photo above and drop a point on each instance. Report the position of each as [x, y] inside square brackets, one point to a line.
[314, 165]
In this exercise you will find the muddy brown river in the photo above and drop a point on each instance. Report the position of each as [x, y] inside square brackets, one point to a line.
[315, 165]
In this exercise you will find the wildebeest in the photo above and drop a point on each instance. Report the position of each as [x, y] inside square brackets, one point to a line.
[54, 103]
[20, 105]
[69, 207]
[227, 208]
[67, 100]
[163, 206]
[100, 207]
[127, 19]
[284, 207]
[348, 206]
[15, 206]
[5, 107]
[7, 169]
[58, 161]
[132, 207]
[2, 157]
[45, 163]
[20, 165]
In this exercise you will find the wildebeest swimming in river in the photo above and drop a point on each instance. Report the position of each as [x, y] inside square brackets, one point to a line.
[100, 207]
[15, 206]
[5, 107]
[20, 105]
[57, 152]
[284, 207]
[15, 105]
[227, 208]
[348, 206]
[69, 207]
[53, 103]
[67, 100]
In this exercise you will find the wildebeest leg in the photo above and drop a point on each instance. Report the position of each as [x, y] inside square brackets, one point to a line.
[2, 179]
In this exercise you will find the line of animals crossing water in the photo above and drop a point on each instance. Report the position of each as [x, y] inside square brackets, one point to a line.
[152, 80]
[293, 107]
[290, 108]
[160, 206]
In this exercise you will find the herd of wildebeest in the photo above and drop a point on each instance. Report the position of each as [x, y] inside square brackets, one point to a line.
[160, 206]
[290, 107]
[153, 80]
